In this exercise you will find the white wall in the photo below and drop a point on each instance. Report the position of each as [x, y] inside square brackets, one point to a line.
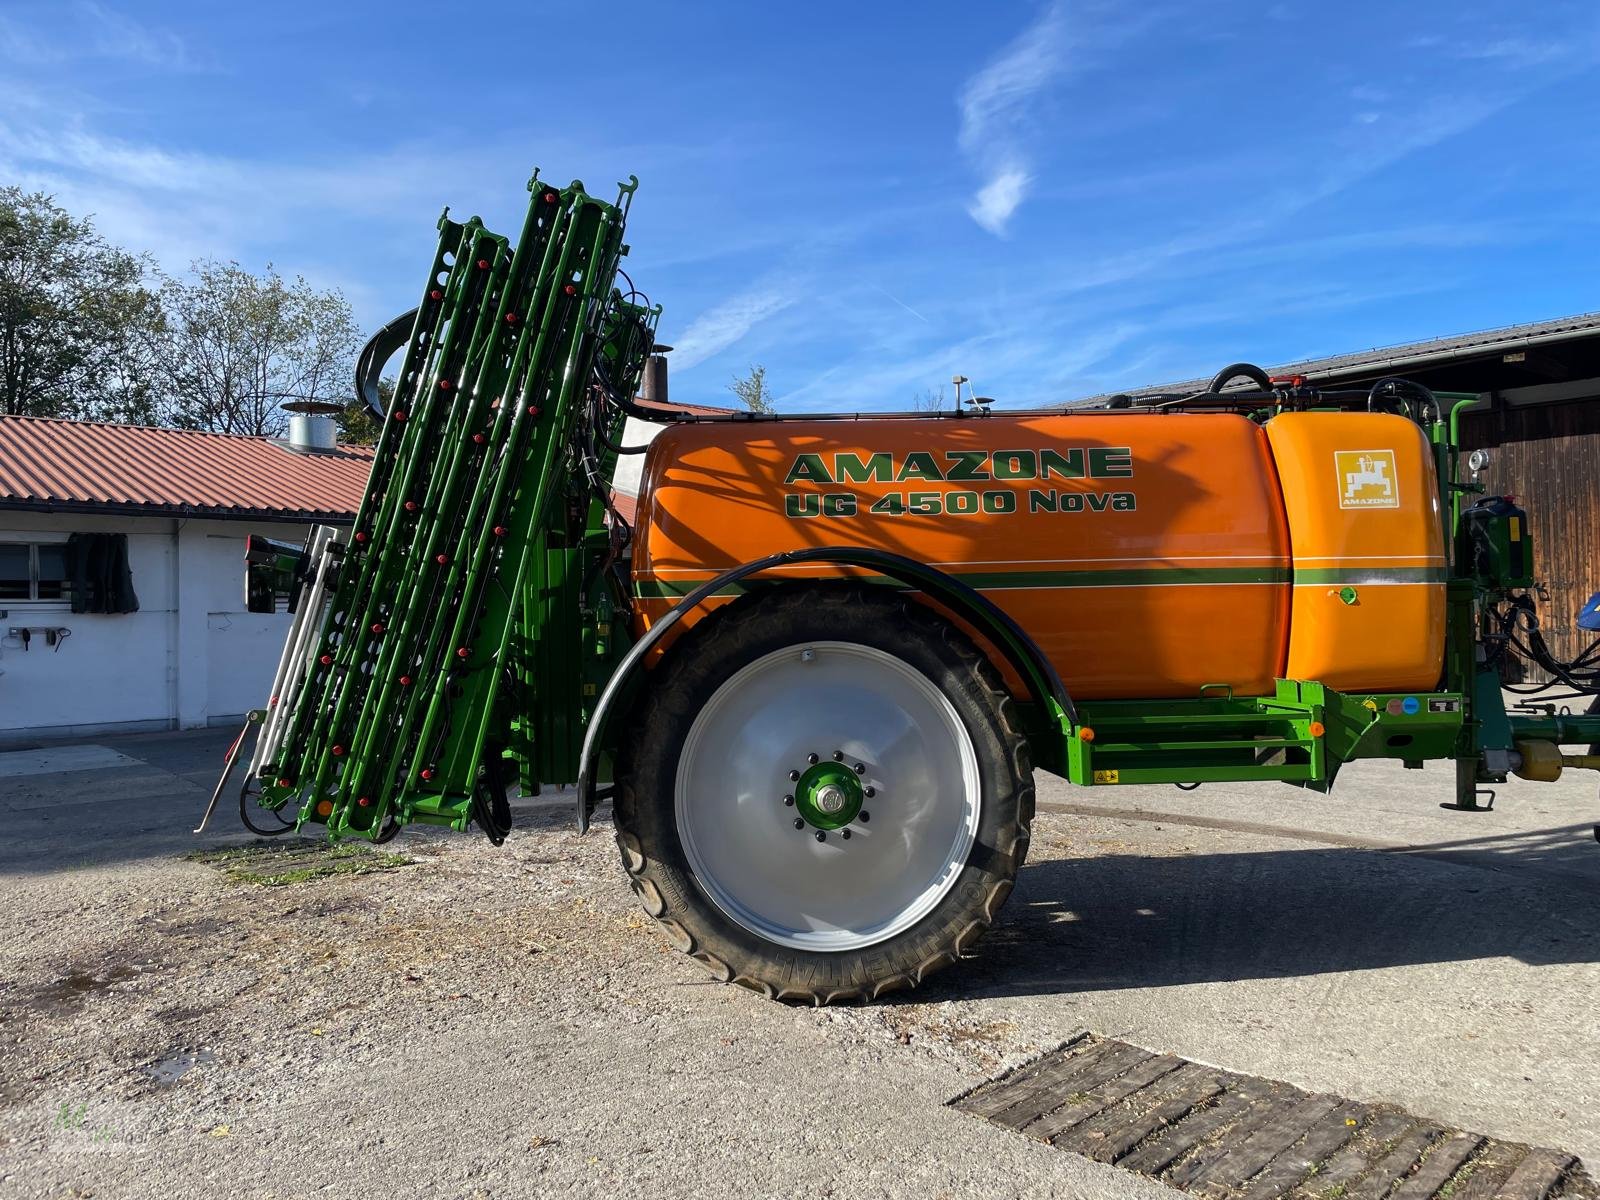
[631, 466]
[190, 656]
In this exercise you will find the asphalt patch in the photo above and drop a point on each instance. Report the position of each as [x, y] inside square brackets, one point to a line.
[1224, 1135]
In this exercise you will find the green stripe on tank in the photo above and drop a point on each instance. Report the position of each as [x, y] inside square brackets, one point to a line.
[1369, 575]
[1000, 581]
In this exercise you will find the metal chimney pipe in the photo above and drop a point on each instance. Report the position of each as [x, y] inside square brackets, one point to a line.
[312, 433]
[653, 383]
[311, 426]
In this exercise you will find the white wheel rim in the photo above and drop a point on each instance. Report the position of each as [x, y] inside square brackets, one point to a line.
[783, 884]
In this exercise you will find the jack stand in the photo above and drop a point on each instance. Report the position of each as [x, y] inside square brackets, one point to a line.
[1467, 789]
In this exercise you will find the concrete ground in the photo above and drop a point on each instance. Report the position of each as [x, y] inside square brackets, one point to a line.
[502, 1022]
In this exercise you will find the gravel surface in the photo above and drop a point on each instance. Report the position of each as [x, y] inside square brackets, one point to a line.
[505, 1022]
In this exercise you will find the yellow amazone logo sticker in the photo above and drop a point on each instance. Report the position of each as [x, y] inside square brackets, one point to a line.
[1367, 479]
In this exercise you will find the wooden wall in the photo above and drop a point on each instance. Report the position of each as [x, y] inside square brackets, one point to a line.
[1548, 456]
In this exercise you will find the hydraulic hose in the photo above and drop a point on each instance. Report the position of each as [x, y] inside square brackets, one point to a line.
[376, 353]
[1239, 370]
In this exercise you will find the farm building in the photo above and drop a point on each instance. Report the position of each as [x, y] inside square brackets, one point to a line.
[122, 601]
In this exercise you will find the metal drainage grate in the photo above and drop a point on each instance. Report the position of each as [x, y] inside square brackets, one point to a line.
[1219, 1134]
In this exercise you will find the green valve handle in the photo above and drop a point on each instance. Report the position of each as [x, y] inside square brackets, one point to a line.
[1348, 595]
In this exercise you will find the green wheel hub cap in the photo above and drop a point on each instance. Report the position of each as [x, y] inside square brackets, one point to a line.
[828, 795]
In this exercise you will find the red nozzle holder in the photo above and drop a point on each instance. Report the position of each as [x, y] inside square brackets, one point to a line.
[483, 264]
[444, 385]
[441, 559]
[400, 415]
[273, 703]
[365, 801]
[499, 531]
[326, 660]
[337, 752]
[426, 773]
[511, 318]
[361, 536]
[377, 627]
[571, 289]
[405, 681]
[436, 294]
[462, 652]
[533, 410]
[284, 783]
[478, 439]
[411, 506]
[549, 197]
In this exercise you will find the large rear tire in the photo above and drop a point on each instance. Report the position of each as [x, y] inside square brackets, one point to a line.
[829, 795]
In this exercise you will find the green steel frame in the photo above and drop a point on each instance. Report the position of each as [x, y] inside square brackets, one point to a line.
[474, 618]
[468, 621]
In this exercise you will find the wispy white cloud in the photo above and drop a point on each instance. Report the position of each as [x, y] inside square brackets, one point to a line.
[994, 108]
[725, 324]
[998, 199]
[92, 30]
[1518, 51]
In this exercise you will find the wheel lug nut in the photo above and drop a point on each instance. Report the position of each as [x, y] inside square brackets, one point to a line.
[861, 768]
[794, 775]
[821, 837]
[870, 792]
[812, 759]
[863, 816]
[788, 801]
[799, 824]
[838, 756]
[845, 834]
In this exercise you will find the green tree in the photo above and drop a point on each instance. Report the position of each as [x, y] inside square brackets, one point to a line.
[238, 345]
[752, 390]
[358, 424]
[79, 328]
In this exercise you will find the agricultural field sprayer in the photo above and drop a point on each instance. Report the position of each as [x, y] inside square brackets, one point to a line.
[815, 672]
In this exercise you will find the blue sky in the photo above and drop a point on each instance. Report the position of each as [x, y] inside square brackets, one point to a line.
[1054, 199]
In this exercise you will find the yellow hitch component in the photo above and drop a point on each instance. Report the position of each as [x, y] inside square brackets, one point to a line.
[1543, 762]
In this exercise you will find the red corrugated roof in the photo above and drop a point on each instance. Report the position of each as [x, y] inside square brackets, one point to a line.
[627, 505]
[695, 410]
[80, 466]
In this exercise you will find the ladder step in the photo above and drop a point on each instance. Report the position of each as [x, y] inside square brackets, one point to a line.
[1105, 748]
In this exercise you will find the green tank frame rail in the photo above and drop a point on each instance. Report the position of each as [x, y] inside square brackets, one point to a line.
[461, 624]
[472, 624]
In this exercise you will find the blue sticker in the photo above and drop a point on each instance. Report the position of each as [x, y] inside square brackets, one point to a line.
[1411, 705]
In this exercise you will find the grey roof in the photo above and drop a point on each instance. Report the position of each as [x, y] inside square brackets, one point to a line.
[1384, 359]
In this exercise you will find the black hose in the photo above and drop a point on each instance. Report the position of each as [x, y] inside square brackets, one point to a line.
[259, 831]
[1580, 673]
[490, 808]
[375, 355]
[1391, 386]
[1239, 370]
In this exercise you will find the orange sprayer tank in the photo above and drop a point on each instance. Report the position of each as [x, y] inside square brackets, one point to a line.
[1362, 497]
[1147, 555]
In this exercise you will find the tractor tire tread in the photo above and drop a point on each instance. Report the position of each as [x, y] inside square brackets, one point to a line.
[788, 975]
